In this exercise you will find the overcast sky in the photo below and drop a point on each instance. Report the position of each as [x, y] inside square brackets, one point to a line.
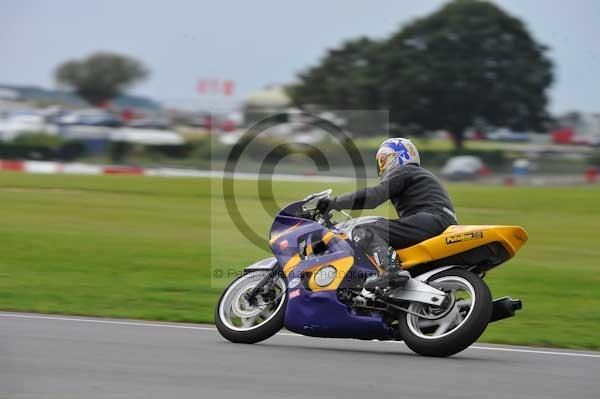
[263, 42]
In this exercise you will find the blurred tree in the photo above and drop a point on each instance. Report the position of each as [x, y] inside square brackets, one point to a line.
[468, 64]
[101, 76]
[465, 64]
[346, 78]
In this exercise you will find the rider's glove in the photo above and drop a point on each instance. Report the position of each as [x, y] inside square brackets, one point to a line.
[325, 205]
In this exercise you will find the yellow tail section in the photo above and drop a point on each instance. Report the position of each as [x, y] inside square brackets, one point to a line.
[461, 238]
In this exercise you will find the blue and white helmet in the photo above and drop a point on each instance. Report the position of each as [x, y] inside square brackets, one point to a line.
[396, 151]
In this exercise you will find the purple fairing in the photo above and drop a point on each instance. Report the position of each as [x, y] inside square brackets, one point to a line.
[320, 314]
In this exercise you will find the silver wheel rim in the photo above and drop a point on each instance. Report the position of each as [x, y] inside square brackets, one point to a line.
[239, 315]
[454, 320]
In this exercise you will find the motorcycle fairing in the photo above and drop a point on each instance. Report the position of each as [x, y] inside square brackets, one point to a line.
[459, 239]
[318, 312]
[321, 314]
[312, 309]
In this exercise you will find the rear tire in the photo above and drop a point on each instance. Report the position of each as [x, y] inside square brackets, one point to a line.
[253, 333]
[420, 336]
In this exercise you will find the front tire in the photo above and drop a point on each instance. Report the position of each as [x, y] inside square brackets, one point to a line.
[462, 326]
[241, 322]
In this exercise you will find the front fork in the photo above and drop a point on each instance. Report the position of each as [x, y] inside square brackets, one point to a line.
[265, 285]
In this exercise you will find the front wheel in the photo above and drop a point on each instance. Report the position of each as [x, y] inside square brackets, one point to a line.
[460, 327]
[240, 321]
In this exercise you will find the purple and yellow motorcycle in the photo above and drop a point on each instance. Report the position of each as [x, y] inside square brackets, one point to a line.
[314, 285]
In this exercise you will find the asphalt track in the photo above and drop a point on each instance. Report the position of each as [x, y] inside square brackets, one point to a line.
[75, 357]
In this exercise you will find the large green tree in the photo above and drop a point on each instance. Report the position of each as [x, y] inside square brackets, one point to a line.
[467, 64]
[101, 76]
[344, 79]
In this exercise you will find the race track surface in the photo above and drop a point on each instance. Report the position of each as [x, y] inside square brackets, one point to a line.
[71, 357]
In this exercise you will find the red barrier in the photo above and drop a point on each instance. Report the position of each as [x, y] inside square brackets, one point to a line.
[13, 166]
[122, 170]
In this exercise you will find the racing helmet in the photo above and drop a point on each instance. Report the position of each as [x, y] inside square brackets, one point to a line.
[394, 152]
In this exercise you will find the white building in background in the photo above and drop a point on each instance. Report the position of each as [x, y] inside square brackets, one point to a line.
[146, 136]
[270, 98]
[8, 94]
[589, 125]
[265, 103]
[16, 125]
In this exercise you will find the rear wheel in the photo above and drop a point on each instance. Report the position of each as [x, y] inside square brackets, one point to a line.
[460, 326]
[240, 321]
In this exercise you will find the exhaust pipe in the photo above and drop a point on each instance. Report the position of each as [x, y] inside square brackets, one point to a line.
[504, 308]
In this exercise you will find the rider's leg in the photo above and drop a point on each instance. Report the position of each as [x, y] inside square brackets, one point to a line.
[374, 244]
[377, 238]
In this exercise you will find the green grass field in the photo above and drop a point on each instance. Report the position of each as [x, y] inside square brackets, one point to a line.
[144, 247]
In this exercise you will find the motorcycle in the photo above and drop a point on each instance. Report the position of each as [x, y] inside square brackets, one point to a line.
[314, 285]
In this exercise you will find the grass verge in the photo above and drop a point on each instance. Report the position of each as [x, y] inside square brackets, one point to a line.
[146, 248]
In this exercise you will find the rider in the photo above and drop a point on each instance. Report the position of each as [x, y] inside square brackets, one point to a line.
[422, 203]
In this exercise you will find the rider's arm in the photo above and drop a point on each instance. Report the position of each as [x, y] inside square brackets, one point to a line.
[372, 197]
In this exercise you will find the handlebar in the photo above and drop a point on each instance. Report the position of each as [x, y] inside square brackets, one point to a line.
[310, 207]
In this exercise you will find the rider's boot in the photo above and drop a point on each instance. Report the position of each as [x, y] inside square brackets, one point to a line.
[393, 275]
